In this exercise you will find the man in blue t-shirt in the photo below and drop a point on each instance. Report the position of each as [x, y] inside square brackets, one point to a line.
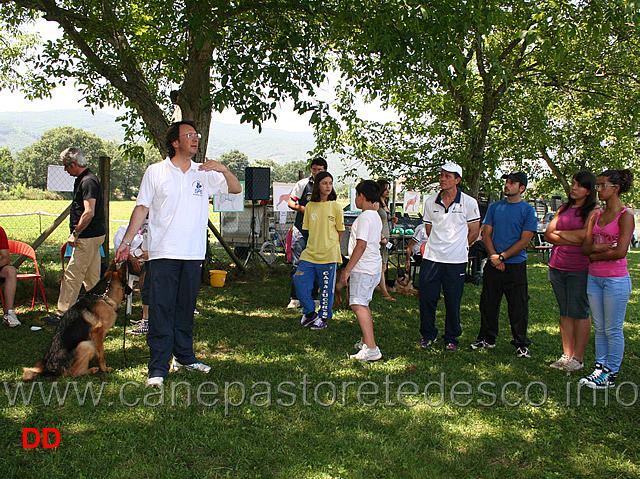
[509, 226]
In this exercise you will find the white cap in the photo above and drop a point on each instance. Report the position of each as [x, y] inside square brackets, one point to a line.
[452, 167]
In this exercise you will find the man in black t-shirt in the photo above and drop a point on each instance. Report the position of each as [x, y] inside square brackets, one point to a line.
[87, 226]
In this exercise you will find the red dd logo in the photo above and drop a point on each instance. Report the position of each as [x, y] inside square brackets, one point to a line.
[45, 437]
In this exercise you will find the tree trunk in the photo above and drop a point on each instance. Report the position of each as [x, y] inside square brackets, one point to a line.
[556, 171]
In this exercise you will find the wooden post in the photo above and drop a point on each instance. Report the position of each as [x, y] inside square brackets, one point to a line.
[226, 247]
[105, 182]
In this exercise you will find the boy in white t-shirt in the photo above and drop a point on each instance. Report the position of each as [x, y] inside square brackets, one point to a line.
[365, 266]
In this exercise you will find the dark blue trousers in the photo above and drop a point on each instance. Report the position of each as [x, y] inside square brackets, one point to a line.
[173, 290]
[450, 278]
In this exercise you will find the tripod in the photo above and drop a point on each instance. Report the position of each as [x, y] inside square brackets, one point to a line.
[252, 232]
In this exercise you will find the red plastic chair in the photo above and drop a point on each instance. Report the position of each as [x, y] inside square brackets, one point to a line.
[18, 247]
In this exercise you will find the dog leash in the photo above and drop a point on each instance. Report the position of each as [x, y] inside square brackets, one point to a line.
[124, 333]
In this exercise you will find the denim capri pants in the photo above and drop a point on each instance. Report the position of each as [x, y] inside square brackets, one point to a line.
[570, 288]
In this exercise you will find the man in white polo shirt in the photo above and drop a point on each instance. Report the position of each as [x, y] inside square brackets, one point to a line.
[175, 194]
[452, 222]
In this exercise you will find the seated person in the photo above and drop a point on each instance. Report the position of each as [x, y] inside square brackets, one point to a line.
[8, 274]
[137, 256]
[414, 250]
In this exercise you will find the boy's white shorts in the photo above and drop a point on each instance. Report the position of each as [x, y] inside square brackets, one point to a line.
[361, 287]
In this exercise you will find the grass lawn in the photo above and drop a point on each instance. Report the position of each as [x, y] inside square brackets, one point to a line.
[286, 402]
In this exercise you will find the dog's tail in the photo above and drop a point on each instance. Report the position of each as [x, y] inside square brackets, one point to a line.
[31, 373]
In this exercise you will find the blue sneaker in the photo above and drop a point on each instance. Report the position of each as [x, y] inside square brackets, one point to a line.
[592, 377]
[605, 380]
[319, 323]
[308, 319]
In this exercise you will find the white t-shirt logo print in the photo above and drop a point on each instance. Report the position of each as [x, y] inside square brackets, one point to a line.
[314, 216]
[197, 188]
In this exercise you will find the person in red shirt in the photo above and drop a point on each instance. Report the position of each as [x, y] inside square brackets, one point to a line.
[8, 274]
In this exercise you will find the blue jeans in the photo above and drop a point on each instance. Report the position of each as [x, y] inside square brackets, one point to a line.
[304, 280]
[433, 277]
[298, 244]
[608, 299]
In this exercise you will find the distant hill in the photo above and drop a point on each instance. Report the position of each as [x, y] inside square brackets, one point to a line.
[19, 130]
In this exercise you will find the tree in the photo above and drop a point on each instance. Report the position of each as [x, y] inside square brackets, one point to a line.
[16, 51]
[236, 161]
[127, 173]
[584, 115]
[290, 172]
[33, 161]
[202, 56]
[287, 173]
[463, 76]
[7, 166]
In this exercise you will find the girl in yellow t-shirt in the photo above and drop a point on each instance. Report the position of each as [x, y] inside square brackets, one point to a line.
[324, 221]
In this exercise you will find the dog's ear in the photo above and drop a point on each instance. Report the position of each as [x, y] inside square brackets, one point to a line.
[112, 267]
[122, 272]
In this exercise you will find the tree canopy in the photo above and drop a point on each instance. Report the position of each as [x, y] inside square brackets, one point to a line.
[202, 56]
[540, 86]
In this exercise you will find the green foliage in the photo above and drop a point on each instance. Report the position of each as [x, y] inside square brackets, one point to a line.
[7, 165]
[17, 50]
[287, 173]
[33, 161]
[127, 172]
[343, 191]
[20, 191]
[236, 161]
[201, 56]
[545, 87]
[126, 175]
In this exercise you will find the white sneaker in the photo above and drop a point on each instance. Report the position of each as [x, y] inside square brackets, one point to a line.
[293, 304]
[155, 382]
[197, 366]
[359, 344]
[10, 319]
[366, 354]
[560, 363]
[573, 365]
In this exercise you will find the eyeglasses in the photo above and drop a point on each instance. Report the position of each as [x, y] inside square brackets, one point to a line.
[67, 165]
[602, 186]
[192, 135]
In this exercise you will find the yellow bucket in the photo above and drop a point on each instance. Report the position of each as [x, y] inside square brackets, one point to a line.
[217, 278]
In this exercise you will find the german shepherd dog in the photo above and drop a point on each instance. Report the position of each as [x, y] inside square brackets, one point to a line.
[79, 337]
[337, 293]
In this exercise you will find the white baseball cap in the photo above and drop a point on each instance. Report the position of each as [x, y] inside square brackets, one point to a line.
[452, 167]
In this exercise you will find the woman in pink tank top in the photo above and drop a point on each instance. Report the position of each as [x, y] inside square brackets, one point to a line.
[609, 285]
[568, 269]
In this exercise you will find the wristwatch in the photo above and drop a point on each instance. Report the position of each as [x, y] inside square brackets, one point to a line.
[501, 257]
[75, 233]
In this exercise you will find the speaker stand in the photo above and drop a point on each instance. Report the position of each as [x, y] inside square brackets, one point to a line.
[252, 231]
